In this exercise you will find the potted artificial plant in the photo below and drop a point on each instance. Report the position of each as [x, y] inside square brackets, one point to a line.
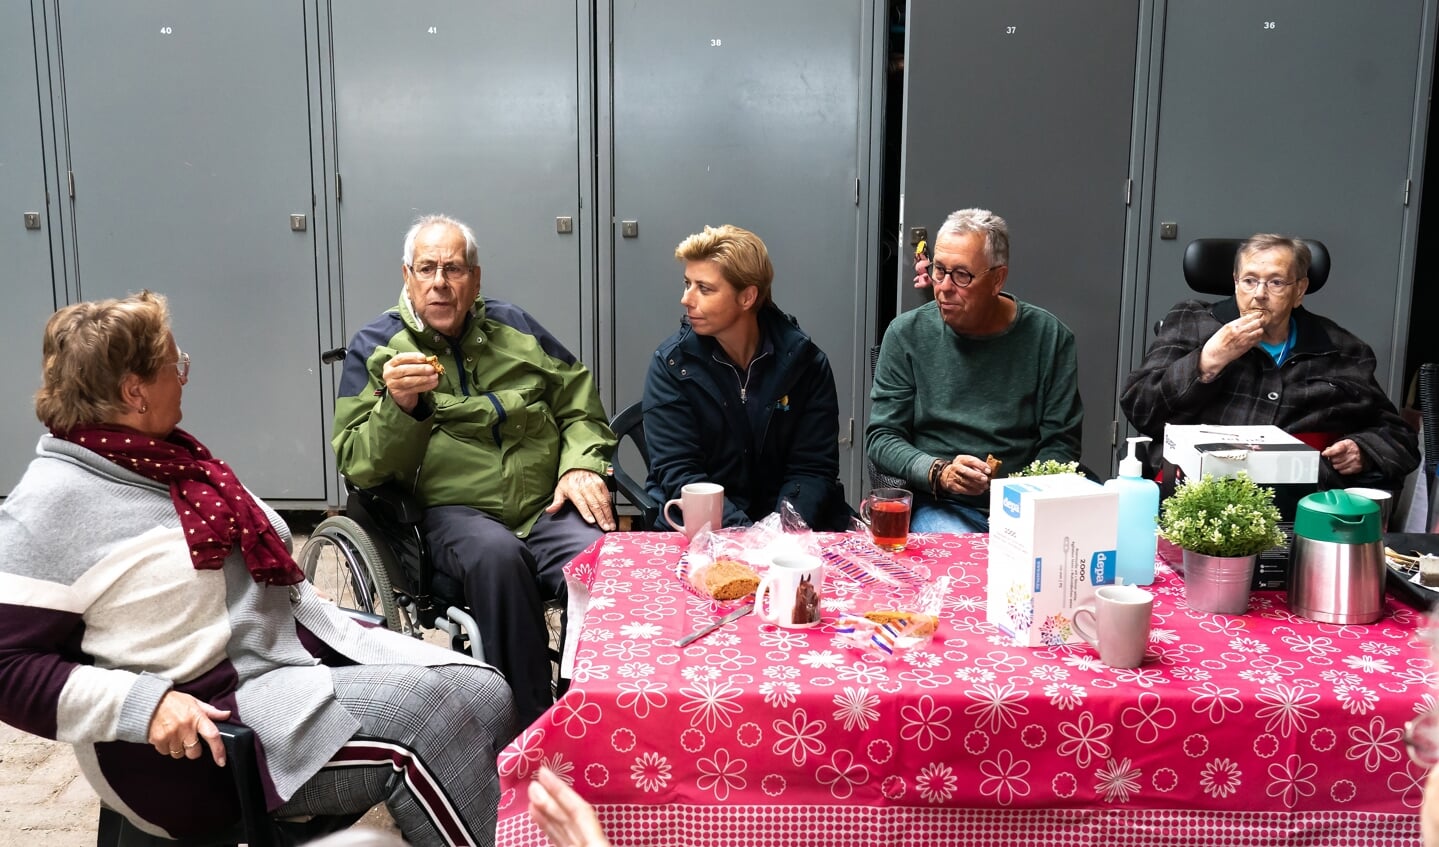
[1222, 525]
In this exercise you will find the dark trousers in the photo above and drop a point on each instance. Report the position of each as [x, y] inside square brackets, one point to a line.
[507, 581]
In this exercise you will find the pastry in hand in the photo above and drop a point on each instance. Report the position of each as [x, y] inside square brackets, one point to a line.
[993, 463]
[434, 362]
[729, 579]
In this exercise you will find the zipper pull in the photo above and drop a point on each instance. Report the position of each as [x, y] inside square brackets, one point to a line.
[742, 392]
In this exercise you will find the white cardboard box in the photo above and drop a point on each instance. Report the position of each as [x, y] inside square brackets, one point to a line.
[1268, 454]
[1051, 541]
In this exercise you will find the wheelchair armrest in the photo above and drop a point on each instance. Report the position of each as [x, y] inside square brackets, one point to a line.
[244, 769]
[392, 503]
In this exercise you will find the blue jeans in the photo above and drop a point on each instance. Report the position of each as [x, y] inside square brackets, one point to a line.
[931, 515]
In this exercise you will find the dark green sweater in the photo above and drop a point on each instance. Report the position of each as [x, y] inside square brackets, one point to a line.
[938, 394]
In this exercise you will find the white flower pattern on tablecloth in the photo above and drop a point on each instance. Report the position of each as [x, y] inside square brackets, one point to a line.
[575, 714]
[721, 774]
[1292, 780]
[1117, 780]
[641, 696]
[924, 722]
[779, 694]
[1369, 664]
[1220, 778]
[842, 774]
[1004, 778]
[799, 737]
[650, 772]
[1148, 717]
[1085, 740]
[936, 782]
[1215, 702]
[1357, 699]
[1375, 744]
[522, 756]
[1065, 695]
[997, 706]
[713, 703]
[1289, 709]
[856, 708]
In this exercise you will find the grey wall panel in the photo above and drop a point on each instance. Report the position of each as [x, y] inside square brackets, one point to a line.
[29, 285]
[1291, 116]
[748, 113]
[189, 140]
[1024, 108]
[470, 109]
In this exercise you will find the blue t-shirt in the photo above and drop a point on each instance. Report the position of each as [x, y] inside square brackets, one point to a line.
[1280, 352]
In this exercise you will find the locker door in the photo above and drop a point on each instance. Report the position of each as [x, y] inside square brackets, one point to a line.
[1290, 116]
[747, 113]
[188, 136]
[1024, 108]
[471, 110]
[29, 286]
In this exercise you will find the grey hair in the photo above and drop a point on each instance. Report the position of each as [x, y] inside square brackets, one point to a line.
[1299, 253]
[994, 229]
[472, 247]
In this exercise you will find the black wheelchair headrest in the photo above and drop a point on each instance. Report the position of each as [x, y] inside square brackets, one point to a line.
[1209, 265]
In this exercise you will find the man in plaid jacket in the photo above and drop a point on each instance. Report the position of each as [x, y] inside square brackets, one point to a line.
[1260, 357]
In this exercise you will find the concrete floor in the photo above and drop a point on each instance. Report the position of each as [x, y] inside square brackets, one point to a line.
[43, 798]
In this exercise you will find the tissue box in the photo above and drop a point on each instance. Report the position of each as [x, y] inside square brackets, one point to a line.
[1051, 541]
[1271, 457]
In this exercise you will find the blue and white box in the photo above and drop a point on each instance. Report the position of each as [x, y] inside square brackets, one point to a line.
[1051, 541]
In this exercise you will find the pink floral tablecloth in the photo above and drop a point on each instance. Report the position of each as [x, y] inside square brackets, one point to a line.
[1256, 729]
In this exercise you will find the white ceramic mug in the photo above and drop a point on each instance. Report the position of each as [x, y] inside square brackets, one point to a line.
[1120, 624]
[790, 591]
[701, 503]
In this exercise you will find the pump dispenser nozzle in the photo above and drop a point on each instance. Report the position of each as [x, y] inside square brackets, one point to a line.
[1129, 465]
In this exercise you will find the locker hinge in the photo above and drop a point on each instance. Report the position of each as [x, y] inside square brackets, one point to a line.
[70, 181]
[1114, 433]
[1408, 184]
[856, 191]
[339, 187]
[1128, 191]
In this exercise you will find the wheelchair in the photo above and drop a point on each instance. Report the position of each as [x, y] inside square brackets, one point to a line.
[373, 559]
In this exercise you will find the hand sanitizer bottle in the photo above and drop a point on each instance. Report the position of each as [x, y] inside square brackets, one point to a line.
[1138, 520]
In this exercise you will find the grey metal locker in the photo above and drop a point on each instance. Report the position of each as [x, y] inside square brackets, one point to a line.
[25, 225]
[188, 138]
[1024, 107]
[473, 110]
[1293, 116]
[755, 114]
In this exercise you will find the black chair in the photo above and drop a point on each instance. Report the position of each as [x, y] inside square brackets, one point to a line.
[1428, 401]
[630, 424]
[1209, 265]
[255, 827]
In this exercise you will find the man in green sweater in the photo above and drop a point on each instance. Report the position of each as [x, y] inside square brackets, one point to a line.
[974, 375]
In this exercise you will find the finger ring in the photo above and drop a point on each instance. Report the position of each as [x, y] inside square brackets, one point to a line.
[177, 753]
[195, 743]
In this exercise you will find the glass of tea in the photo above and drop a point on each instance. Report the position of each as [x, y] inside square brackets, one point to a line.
[886, 510]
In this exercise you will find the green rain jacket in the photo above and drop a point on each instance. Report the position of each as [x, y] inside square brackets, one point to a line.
[513, 411]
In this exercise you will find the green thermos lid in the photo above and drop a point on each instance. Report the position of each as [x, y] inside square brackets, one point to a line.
[1336, 515]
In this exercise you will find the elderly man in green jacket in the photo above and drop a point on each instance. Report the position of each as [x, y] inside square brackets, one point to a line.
[498, 429]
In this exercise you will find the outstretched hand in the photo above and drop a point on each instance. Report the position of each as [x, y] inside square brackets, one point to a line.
[564, 816]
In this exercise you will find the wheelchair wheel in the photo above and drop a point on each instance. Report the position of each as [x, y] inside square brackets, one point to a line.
[349, 568]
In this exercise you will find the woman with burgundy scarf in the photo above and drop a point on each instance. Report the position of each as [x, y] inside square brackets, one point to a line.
[145, 594]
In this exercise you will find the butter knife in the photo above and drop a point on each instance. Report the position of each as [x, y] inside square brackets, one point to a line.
[715, 624]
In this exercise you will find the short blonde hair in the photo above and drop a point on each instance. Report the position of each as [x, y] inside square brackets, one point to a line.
[89, 347]
[741, 255]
